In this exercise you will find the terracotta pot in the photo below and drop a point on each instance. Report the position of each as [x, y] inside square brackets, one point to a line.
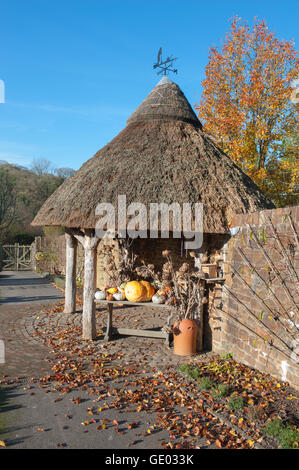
[184, 337]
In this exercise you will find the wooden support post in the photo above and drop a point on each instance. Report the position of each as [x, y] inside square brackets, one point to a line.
[89, 241]
[90, 277]
[70, 273]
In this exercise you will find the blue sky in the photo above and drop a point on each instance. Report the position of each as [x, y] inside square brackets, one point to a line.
[74, 70]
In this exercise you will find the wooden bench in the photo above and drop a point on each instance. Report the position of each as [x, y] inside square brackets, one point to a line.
[150, 333]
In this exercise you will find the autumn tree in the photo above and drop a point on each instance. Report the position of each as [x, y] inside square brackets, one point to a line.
[247, 109]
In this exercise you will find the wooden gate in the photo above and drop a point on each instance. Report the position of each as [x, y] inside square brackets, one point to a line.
[17, 257]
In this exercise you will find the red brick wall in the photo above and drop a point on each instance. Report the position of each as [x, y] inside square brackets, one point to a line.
[150, 250]
[52, 246]
[254, 315]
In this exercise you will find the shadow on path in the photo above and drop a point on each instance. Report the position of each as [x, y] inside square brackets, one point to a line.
[7, 411]
[26, 286]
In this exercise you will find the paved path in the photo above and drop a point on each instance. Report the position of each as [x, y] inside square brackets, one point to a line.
[23, 295]
[26, 286]
[25, 407]
[36, 416]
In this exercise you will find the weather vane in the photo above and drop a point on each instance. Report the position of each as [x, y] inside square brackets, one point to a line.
[164, 65]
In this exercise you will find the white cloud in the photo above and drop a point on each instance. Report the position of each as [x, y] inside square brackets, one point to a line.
[18, 153]
[88, 112]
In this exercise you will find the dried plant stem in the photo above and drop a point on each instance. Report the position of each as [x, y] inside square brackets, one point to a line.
[272, 333]
[237, 320]
[287, 260]
[294, 230]
[276, 300]
[276, 272]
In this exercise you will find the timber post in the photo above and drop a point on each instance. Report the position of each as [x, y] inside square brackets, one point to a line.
[89, 241]
[70, 273]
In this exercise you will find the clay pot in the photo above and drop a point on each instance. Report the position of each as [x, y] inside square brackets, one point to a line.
[184, 337]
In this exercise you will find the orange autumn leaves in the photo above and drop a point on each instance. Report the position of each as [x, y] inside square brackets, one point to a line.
[246, 105]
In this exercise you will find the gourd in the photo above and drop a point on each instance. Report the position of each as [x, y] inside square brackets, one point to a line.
[120, 295]
[135, 291]
[158, 299]
[112, 290]
[150, 290]
[100, 295]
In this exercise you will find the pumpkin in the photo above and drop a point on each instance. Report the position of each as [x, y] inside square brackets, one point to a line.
[150, 290]
[135, 291]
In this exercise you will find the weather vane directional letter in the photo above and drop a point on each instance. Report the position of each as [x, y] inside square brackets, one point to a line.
[164, 66]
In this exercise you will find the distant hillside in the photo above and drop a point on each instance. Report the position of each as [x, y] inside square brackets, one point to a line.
[31, 192]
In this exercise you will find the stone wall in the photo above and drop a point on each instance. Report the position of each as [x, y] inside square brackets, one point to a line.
[254, 315]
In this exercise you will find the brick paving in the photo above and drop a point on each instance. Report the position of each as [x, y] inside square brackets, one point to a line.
[24, 355]
[26, 328]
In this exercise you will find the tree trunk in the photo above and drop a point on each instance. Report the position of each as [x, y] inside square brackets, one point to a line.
[70, 274]
[89, 318]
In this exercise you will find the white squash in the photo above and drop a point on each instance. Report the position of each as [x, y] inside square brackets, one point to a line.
[100, 295]
[120, 295]
[158, 299]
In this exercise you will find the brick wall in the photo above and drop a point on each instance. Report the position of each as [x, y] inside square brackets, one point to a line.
[52, 247]
[149, 251]
[254, 315]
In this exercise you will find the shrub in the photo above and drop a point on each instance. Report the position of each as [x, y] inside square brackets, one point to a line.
[192, 372]
[222, 390]
[235, 403]
[205, 383]
[273, 428]
[287, 436]
[226, 356]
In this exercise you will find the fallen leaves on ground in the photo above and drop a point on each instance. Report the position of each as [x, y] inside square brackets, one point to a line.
[192, 417]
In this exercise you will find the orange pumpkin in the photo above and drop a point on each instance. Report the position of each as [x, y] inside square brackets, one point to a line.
[150, 290]
[135, 291]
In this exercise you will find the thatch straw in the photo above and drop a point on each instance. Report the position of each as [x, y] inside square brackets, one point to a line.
[167, 102]
[162, 155]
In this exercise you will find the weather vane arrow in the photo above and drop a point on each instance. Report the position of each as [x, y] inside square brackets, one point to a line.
[166, 65]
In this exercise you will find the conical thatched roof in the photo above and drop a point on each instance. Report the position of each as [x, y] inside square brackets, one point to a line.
[167, 102]
[162, 155]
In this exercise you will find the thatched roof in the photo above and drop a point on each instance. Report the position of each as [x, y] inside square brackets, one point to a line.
[162, 155]
[167, 102]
